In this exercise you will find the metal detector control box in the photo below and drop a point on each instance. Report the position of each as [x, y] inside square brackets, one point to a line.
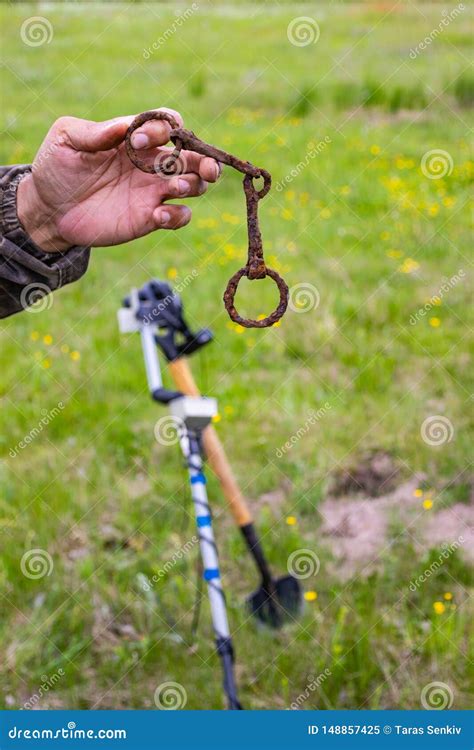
[195, 412]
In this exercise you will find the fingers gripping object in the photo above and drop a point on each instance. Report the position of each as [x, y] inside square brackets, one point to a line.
[255, 267]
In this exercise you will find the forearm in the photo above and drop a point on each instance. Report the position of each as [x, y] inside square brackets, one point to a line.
[23, 264]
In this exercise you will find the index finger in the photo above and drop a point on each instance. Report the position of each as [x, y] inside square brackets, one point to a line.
[155, 132]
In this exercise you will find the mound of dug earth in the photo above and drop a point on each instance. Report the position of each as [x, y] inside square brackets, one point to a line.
[357, 527]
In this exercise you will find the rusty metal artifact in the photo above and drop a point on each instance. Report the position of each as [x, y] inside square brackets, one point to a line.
[168, 164]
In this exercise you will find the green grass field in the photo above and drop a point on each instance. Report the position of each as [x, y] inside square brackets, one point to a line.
[364, 225]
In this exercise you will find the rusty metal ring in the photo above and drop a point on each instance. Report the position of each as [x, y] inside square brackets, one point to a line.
[154, 114]
[231, 289]
[267, 183]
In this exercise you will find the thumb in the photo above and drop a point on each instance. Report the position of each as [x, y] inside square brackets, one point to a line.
[86, 135]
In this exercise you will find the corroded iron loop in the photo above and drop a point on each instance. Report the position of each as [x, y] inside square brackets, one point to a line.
[169, 166]
[231, 290]
[267, 183]
[135, 157]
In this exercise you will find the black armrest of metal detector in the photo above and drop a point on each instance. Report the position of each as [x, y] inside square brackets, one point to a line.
[160, 306]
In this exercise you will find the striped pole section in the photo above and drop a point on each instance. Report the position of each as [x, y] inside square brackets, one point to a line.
[191, 445]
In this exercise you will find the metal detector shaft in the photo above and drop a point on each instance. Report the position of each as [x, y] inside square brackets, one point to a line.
[216, 456]
[191, 418]
[191, 447]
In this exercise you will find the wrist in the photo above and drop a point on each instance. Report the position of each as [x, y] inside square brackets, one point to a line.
[37, 219]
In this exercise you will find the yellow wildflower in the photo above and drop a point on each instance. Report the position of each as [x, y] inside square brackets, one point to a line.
[448, 596]
[435, 322]
[48, 339]
[172, 273]
[439, 607]
[418, 492]
[427, 504]
[34, 335]
[230, 218]
[375, 149]
[304, 198]
[310, 596]
[291, 520]
[207, 223]
[75, 356]
[409, 265]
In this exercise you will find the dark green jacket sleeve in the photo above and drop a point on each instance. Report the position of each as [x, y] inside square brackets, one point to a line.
[27, 272]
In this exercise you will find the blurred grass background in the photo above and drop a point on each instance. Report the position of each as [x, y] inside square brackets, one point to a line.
[363, 225]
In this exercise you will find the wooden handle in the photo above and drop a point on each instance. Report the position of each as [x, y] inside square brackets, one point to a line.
[184, 382]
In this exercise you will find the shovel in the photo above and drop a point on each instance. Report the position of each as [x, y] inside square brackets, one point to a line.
[276, 600]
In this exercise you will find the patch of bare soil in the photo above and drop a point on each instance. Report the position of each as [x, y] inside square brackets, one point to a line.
[374, 475]
[357, 529]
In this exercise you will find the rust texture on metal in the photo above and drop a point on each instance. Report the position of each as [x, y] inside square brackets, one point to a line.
[255, 267]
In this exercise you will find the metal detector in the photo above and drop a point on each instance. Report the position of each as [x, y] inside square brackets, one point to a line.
[156, 312]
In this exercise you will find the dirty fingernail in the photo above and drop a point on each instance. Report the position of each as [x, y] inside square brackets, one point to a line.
[140, 140]
[183, 187]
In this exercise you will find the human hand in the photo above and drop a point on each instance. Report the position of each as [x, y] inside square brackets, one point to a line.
[84, 190]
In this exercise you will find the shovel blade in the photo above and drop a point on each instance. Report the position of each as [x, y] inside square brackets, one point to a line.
[283, 603]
